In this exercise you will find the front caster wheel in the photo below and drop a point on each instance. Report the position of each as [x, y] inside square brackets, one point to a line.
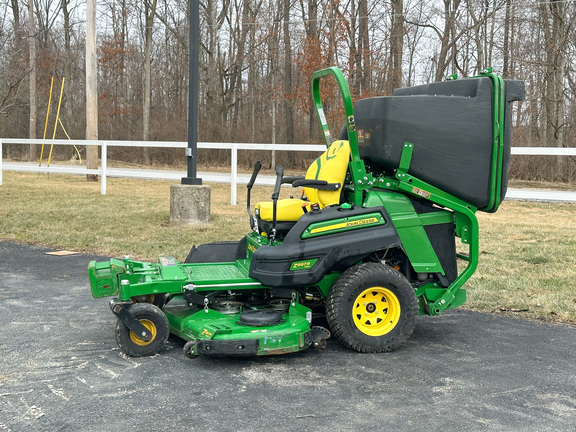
[372, 308]
[154, 320]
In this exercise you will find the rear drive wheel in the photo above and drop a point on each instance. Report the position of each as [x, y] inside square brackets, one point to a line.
[372, 308]
[154, 320]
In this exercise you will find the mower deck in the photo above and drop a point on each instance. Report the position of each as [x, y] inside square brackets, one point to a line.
[220, 333]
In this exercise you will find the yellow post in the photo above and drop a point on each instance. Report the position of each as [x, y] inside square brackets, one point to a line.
[46, 122]
[57, 117]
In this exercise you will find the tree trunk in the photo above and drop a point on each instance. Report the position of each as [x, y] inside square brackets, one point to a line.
[236, 76]
[364, 48]
[288, 75]
[354, 56]
[558, 13]
[479, 39]
[396, 45]
[68, 54]
[252, 70]
[313, 54]
[16, 14]
[447, 38]
[150, 10]
[508, 24]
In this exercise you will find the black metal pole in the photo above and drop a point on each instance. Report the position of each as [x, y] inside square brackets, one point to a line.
[194, 44]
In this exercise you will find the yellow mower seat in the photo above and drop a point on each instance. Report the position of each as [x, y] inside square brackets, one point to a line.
[331, 167]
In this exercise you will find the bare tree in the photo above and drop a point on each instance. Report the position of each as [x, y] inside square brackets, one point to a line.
[396, 45]
[149, 12]
[288, 75]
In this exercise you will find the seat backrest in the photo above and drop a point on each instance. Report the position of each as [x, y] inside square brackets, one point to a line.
[331, 166]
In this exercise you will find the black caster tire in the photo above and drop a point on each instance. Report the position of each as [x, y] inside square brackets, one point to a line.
[154, 320]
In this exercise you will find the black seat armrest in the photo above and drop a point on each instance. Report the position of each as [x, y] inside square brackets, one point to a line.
[291, 180]
[317, 184]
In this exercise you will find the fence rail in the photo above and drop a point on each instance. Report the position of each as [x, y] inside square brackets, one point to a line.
[104, 172]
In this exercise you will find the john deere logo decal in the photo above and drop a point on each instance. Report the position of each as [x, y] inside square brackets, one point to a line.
[360, 222]
[345, 225]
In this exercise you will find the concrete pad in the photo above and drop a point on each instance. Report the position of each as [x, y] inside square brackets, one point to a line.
[189, 204]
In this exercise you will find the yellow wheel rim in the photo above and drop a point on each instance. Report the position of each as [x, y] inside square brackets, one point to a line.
[150, 327]
[376, 311]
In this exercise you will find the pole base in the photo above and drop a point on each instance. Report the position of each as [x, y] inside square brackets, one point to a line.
[189, 204]
[191, 181]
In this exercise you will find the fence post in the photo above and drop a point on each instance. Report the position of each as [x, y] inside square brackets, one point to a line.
[233, 174]
[103, 168]
[0, 162]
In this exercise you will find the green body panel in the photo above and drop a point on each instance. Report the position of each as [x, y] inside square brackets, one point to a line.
[103, 277]
[128, 279]
[326, 283]
[253, 242]
[466, 227]
[410, 228]
[205, 277]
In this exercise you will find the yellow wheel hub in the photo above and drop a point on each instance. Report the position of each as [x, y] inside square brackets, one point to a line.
[150, 327]
[376, 311]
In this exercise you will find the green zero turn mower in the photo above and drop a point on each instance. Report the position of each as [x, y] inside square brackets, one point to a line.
[371, 245]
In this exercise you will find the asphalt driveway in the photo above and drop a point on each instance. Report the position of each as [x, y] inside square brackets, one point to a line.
[60, 370]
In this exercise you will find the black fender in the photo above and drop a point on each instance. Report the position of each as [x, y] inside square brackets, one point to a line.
[336, 247]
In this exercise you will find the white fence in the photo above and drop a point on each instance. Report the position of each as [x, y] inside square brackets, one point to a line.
[103, 171]
[234, 179]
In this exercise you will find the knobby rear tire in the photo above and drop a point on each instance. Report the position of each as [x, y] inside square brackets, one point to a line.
[372, 308]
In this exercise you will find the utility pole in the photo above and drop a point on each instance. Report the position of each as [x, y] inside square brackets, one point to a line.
[190, 200]
[33, 107]
[91, 89]
[193, 46]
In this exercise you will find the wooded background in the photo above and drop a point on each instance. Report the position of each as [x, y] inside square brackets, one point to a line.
[256, 60]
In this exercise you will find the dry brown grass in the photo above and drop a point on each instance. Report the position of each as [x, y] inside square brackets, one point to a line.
[69, 213]
[527, 258]
[527, 262]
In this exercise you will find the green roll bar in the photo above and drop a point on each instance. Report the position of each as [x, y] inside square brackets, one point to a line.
[357, 168]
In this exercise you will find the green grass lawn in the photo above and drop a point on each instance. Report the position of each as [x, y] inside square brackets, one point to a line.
[527, 250]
